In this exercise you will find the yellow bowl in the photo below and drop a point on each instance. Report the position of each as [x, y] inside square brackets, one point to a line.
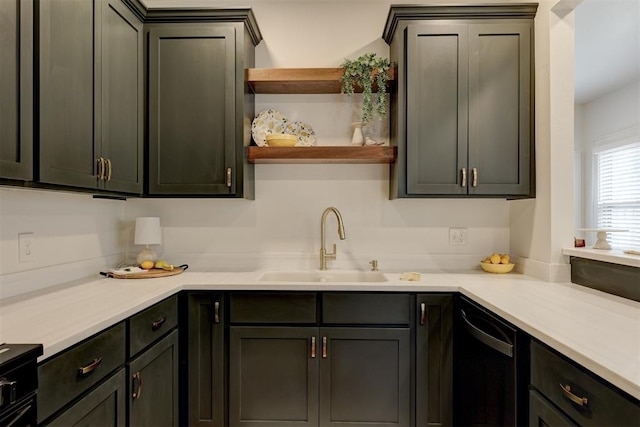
[281, 140]
[496, 268]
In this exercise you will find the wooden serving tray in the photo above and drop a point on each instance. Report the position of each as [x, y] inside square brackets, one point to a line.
[149, 274]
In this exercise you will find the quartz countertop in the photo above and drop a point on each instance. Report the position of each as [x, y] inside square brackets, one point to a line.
[597, 330]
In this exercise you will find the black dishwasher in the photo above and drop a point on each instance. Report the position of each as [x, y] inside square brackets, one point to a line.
[491, 368]
[18, 384]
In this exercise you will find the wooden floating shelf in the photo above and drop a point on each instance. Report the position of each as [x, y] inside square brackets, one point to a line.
[299, 80]
[306, 155]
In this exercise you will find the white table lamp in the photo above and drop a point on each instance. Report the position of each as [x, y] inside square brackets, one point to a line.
[147, 233]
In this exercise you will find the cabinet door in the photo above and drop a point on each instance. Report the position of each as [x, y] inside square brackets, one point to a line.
[365, 377]
[434, 360]
[437, 74]
[104, 406]
[205, 391]
[66, 99]
[192, 110]
[153, 392]
[500, 110]
[273, 376]
[543, 414]
[16, 87]
[122, 108]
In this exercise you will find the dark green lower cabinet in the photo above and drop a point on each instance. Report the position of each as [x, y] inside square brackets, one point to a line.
[273, 376]
[309, 376]
[104, 406]
[544, 414]
[203, 394]
[153, 385]
[434, 360]
[365, 377]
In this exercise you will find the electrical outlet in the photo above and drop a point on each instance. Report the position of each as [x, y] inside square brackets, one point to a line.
[25, 247]
[457, 236]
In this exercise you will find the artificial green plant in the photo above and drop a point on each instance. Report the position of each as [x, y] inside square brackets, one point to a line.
[363, 72]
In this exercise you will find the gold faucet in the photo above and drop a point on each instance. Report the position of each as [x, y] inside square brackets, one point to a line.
[324, 255]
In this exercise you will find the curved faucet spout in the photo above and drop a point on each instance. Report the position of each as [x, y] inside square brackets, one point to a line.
[324, 255]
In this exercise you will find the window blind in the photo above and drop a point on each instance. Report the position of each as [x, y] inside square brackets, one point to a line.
[618, 193]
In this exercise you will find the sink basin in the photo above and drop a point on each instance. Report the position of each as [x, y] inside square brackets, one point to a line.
[323, 276]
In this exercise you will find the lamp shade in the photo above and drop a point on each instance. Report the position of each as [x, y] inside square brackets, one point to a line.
[148, 231]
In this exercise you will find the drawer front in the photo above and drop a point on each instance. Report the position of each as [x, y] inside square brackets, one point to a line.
[604, 405]
[261, 308]
[152, 324]
[370, 309]
[66, 376]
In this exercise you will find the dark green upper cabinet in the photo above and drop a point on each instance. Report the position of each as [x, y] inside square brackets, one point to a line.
[192, 110]
[16, 87]
[199, 103]
[90, 95]
[462, 115]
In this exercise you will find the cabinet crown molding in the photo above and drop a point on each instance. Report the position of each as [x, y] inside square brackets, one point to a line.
[480, 11]
[198, 14]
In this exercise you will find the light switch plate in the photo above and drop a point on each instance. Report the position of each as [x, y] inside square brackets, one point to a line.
[25, 247]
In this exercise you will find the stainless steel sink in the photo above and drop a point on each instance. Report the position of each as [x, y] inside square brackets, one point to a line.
[323, 276]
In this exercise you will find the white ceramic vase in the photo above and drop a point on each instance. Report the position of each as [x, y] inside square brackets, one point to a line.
[358, 137]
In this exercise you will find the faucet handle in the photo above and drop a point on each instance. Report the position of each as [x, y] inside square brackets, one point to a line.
[374, 264]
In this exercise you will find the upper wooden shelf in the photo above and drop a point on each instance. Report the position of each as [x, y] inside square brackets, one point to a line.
[346, 154]
[298, 80]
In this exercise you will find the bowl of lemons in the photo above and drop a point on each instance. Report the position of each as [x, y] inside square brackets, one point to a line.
[497, 263]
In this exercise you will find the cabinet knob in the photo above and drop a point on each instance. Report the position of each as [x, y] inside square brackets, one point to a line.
[324, 347]
[313, 347]
[474, 181]
[423, 313]
[580, 401]
[108, 174]
[464, 177]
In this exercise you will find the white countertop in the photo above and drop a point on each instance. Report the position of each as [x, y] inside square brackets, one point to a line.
[597, 330]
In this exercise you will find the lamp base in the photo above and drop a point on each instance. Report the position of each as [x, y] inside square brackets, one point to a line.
[146, 255]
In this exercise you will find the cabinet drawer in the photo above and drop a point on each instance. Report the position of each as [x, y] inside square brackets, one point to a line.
[370, 309]
[151, 324]
[273, 308]
[66, 376]
[603, 405]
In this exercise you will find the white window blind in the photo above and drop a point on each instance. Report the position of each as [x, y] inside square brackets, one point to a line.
[617, 170]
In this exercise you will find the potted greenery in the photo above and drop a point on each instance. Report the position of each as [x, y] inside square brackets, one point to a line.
[363, 72]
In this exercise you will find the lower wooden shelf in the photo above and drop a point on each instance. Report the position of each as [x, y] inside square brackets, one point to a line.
[372, 154]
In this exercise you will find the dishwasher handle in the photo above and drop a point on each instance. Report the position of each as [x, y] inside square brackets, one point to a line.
[496, 344]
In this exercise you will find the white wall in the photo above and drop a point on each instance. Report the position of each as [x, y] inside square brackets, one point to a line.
[74, 236]
[281, 227]
[614, 113]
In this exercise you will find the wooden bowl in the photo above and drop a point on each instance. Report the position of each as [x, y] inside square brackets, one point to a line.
[281, 140]
[497, 268]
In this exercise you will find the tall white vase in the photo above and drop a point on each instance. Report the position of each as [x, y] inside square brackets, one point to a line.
[358, 137]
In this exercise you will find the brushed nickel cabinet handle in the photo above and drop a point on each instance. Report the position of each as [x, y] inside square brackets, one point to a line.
[137, 379]
[324, 347]
[474, 182]
[464, 177]
[216, 312]
[313, 347]
[229, 177]
[108, 174]
[85, 370]
[580, 401]
[158, 323]
[423, 313]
